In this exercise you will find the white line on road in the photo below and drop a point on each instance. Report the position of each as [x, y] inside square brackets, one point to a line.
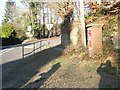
[28, 47]
[1, 53]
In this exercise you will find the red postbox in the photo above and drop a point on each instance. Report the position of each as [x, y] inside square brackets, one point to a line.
[94, 33]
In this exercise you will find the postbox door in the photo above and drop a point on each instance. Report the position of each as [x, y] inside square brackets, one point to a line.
[89, 38]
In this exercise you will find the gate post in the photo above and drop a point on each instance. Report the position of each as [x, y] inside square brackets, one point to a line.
[94, 39]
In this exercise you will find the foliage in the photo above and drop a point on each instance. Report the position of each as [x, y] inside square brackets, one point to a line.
[8, 12]
[0, 31]
[27, 23]
[83, 54]
[7, 30]
[106, 33]
[103, 8]
[65, 9]
[33, 18]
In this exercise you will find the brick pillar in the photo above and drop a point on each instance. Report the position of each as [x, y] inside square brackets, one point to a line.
[94, 39]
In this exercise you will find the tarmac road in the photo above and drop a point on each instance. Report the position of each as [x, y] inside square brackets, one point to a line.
[16, 71]
[15, 52]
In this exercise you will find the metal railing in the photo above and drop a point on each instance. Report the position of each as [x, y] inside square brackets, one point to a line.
[34, 47]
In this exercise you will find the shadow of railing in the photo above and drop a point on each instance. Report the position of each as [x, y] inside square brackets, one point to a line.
[44, 76]
[16, 73]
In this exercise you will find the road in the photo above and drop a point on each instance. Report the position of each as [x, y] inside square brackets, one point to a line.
[16, 71]
[15, 52]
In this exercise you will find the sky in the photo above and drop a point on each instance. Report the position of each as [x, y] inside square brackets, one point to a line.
[2, 8]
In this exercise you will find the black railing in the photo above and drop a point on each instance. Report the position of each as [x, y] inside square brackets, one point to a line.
[34, 47]
[40, 44]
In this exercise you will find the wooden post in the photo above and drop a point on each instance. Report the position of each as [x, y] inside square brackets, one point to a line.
[82, 19]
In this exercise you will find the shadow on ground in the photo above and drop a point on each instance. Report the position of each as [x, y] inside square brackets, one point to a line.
[109, 77]
[43, 77]
[15, 74]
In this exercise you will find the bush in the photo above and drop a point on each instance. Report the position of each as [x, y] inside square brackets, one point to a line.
[7, 29]
[0, 31]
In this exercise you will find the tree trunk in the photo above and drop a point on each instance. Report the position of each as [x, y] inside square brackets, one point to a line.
[50, 22]
[32, 22]
[43, 21]
[65, 31]
[40, 22]
[56, 25]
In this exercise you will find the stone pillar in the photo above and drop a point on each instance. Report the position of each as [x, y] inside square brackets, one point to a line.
[94, 39]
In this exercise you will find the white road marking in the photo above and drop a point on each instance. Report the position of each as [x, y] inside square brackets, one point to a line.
[1, 53]
[28, 47]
